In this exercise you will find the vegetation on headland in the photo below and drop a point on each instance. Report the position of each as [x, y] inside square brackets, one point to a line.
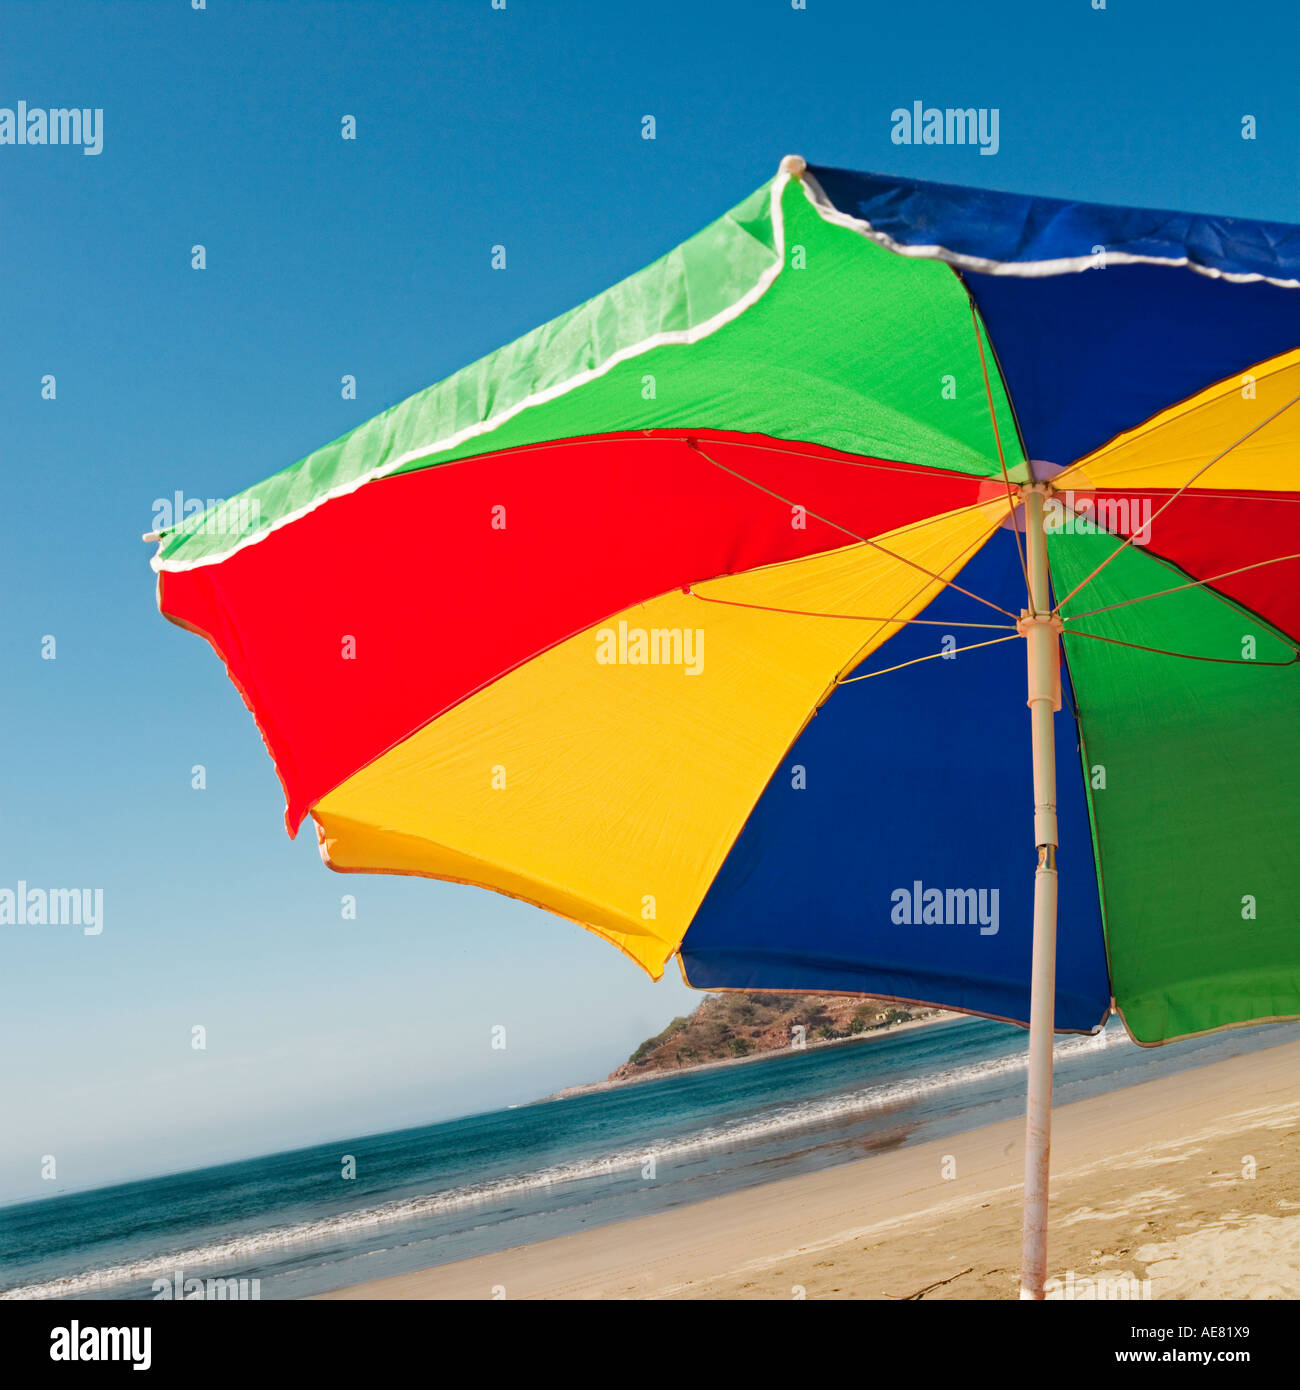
[727, 1026]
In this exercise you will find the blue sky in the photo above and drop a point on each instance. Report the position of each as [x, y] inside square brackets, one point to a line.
[325, 257]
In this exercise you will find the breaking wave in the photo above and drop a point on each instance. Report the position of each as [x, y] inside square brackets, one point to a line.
[795, 1115]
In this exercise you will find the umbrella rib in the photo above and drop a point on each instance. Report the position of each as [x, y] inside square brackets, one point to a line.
[933, 656]
[849, 617]
[748, 442]
[1128, 540]
[1191, 584]
[997, 438]
[862, 654]
[780, 447]
[1185, 656]
[1275, 499]
[865, 540]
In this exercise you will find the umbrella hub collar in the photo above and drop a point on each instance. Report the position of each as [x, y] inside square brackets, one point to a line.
[1042, 487]
[1029, 620]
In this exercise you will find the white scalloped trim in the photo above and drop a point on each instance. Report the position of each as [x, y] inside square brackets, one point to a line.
[1029, 270]
[682, 336]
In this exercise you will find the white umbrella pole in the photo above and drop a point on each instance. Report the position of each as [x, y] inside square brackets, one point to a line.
[1042, 636]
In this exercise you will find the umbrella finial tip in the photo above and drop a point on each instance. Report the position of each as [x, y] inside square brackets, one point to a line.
[794, 165]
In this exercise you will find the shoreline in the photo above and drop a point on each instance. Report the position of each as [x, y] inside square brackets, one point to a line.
[663, 1073]
[1190, 1181]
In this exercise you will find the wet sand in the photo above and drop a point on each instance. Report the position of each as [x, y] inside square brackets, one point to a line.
[1191, 1182]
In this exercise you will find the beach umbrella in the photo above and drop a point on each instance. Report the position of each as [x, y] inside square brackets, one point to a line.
[706, 615]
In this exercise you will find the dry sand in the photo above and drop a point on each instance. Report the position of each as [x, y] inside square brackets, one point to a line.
[1190, 1181]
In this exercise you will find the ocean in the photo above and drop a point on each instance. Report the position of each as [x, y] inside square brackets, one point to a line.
[486, 1182]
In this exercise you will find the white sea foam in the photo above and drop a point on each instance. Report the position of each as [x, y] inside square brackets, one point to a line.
[797, 1115]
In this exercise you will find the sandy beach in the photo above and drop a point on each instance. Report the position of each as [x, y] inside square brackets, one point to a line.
[1190, 1182]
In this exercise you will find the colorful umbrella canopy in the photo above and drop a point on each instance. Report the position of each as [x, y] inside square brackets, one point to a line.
[691, 616]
